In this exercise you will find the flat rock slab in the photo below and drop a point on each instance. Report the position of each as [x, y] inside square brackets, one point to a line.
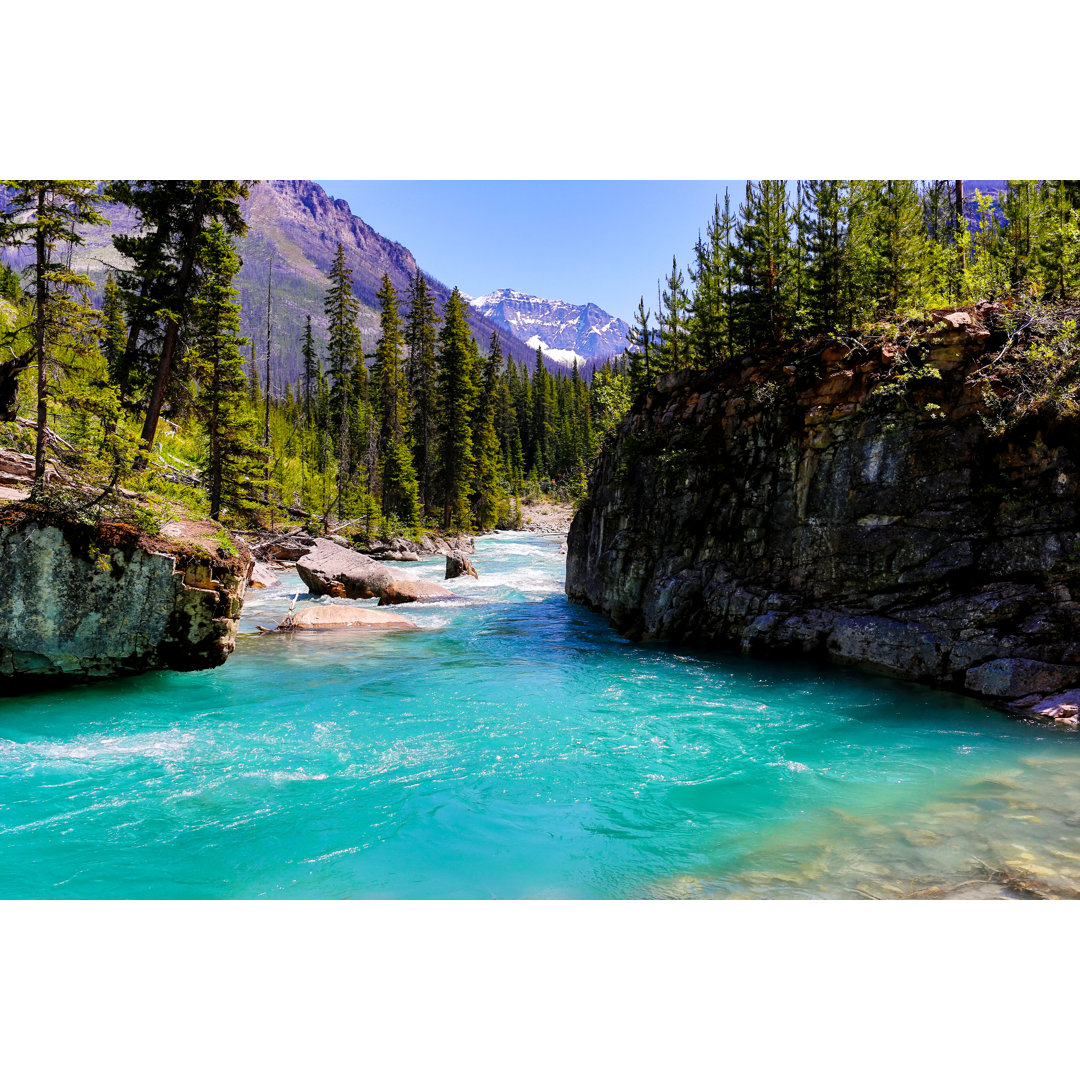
[414, 592]
[332, 570]
[342, 617]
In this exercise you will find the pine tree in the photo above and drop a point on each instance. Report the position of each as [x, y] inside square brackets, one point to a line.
[708, 322]
[52, 213]
[765, 261]
[162, 282]
[673, 317]
[1021, 206]
[312, 369]
[422, 376]
[114, 331]
[398, 483]
[218, 364]
[457, 391]
[640, 336]
[10, 287]
[825, 286]
[1060, 241]
[543, 418]
[487, 482]
[344, 354]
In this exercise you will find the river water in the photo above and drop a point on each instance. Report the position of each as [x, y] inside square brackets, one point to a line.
[515, 746]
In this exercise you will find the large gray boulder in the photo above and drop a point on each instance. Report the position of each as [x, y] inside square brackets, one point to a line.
[332, 570]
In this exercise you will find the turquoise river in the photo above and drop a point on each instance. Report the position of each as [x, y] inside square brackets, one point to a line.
[516, 747]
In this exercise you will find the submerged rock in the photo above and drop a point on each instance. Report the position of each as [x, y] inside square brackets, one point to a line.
[82, 601]
[343, 617]
[332, 570]
[407, 591]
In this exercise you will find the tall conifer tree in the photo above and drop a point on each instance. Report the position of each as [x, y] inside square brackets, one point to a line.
[218, 364]
[458, 392]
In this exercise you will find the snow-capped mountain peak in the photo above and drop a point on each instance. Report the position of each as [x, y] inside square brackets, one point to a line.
[564, 332]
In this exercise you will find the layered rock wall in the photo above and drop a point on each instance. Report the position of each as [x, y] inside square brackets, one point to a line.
[82, 601]
[788, 508]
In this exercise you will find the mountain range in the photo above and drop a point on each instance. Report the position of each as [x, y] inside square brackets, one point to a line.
[294, 228]
[565, 333]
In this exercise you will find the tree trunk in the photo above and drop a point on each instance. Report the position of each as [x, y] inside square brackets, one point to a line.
[180, 300]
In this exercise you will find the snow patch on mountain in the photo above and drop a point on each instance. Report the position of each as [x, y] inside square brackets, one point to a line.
[561, 356]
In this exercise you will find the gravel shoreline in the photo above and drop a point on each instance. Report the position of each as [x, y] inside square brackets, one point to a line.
[546, 517]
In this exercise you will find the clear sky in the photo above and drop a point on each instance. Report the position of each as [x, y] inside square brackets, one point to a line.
[576, 240]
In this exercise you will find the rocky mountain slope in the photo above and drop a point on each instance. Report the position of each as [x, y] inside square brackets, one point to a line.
[564, 332]
[296, 226]
[785, 507]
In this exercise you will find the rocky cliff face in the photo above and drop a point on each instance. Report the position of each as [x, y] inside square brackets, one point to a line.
[83, 601]
[789, 508]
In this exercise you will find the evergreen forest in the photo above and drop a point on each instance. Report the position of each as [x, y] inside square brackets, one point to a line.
[157, 392]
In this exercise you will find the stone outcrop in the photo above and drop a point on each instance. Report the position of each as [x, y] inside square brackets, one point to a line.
[845, 505]
[408, 591]
[332, 570]
[81, 601]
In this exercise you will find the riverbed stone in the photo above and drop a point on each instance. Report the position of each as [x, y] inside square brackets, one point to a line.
[345, 617]
[408, 591]
[262, 577]
[457, 565]
[332, 570]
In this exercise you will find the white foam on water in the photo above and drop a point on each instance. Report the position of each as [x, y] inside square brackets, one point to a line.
[169, 745]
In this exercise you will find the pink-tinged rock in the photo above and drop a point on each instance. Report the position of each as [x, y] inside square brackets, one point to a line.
[1063, 708]
[333, 570]
[343, 617]
[414, 592]
[957, 320]
[262, 577]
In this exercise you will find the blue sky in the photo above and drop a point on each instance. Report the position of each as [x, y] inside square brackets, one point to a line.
[577, 240]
